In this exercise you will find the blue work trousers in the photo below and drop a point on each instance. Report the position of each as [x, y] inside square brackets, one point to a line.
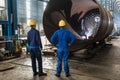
[62, 53]
[36, 54]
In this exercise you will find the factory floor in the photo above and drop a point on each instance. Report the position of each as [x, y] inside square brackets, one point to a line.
[105, 65]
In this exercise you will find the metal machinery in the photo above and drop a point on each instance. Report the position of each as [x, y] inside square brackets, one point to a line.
[9, 45]
[85, 18]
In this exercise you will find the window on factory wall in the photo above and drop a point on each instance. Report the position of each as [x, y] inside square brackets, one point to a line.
[3, 10]
[30, 9]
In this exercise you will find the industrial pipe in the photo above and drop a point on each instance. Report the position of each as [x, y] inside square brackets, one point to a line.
[84, 18]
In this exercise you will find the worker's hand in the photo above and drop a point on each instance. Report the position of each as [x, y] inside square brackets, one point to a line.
[69, 44]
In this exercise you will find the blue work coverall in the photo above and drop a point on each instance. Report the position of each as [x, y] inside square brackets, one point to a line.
[63, 38]
[34, 44]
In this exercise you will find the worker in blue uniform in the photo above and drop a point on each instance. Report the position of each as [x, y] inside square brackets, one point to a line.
[64, 39]
[35, 46]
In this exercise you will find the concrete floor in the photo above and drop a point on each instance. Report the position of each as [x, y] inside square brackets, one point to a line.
[105, 65]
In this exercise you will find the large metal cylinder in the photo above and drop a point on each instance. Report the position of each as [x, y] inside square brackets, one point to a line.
[83, 17]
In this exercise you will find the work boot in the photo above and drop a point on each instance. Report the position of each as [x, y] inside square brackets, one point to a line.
[68, 75]
[57, 75]
[35, 73]
[42, 74]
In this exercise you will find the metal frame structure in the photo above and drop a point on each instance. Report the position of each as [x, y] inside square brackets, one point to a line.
[10, 23]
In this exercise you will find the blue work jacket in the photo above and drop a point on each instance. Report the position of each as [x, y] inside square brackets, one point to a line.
[63, 38]
[34, 40]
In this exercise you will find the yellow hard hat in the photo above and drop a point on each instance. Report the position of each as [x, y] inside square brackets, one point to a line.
[62, 23]
[32, 22]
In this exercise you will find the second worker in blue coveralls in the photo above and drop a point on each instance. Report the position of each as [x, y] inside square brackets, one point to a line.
[35, 45]
[64, 39]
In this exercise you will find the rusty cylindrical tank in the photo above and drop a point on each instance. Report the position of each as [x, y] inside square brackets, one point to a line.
[84, 18]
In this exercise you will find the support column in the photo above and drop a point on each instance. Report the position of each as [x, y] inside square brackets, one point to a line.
[9, 25]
